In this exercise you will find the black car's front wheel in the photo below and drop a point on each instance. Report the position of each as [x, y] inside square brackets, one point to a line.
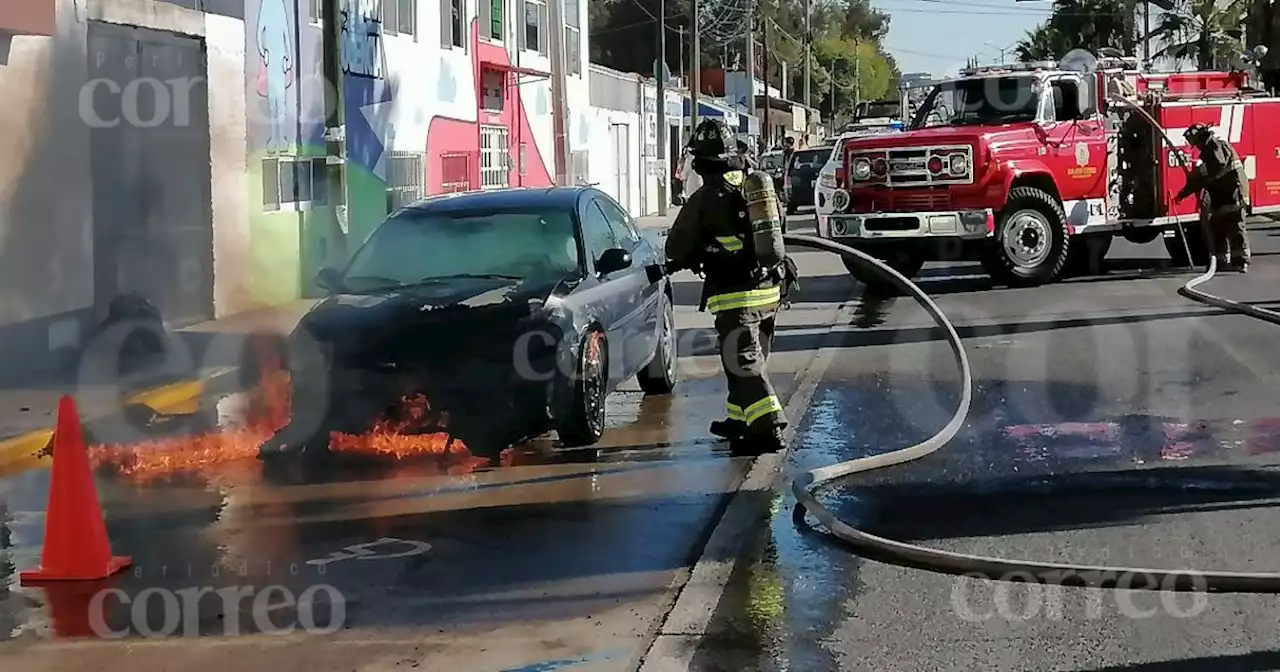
[659, 376]
[583, 423]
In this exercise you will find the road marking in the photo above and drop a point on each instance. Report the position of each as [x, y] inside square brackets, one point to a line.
[365, 551]
[697, 592]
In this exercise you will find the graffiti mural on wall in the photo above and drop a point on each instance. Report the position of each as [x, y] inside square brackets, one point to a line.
[368, 91]
[276, 70]
[362, 40]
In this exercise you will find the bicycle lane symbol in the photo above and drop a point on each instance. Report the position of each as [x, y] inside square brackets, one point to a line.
[370, 551]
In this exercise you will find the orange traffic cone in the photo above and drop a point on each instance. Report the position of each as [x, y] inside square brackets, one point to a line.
[75, 536]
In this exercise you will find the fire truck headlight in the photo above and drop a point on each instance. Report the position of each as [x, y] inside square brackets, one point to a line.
[958, 164]
[839, 200]
[861, 169]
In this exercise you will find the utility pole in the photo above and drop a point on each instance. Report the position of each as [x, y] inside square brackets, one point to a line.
[751, 62]
[857, 78]
[335, 119]
[660, 65]
[696, 61]
[559, 107]
[681, 43]
[767, 131]
[808, 53]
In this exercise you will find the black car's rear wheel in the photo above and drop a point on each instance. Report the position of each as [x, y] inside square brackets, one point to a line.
[583, 424]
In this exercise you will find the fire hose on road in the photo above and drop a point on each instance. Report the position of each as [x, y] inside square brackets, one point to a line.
[809, 485]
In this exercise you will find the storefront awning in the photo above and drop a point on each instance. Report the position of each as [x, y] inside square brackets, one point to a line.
[507, 68]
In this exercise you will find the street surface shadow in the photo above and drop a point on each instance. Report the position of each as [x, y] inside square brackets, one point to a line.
[921, 511]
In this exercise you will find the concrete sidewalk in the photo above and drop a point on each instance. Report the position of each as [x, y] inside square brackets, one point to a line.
[204, 354]
[658, 221]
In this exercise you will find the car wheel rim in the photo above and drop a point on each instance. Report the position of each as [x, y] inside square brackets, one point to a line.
[1026, 240]
[669, 343]
[593, 384]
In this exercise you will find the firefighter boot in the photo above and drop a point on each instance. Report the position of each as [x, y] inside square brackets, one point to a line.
[770, 440]
[728, 429]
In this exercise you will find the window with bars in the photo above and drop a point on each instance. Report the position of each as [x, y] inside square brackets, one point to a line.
[495, 161]
[533, 34]
[453, 19]
[292, 183]
[316, 11]
[573, 37]
[399, 17]
[405, 176]
[492, 19]
[573, 50]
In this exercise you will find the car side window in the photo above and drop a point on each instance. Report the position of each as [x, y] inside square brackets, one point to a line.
[597, 234]
[620, 222]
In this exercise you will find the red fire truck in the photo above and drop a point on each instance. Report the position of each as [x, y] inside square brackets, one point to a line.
[1033, 168]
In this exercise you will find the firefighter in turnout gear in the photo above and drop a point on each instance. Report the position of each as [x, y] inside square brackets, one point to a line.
[730, 231]
[1221, 175]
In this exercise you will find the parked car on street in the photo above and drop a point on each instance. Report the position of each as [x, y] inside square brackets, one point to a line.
[802, 176]
[515, 312]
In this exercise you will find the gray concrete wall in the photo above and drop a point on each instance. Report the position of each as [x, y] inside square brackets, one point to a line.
[46, 257]
[46, 202]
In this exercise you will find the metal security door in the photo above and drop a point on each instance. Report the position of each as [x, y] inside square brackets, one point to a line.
[621, 135]
[152, 207]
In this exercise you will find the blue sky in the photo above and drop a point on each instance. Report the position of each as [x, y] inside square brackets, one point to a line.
[937, 36]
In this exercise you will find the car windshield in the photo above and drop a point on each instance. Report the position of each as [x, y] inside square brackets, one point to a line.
[771, 162]
[414, 247]
[811, 158]
[990, 100]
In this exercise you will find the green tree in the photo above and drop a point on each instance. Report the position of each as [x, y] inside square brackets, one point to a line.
[1202, 31]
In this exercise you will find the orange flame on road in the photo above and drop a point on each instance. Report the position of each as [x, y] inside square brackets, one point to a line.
[268, 410]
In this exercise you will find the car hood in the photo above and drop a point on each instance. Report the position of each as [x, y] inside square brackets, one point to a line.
[428, 323]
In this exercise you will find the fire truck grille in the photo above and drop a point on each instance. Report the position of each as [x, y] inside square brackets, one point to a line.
[924, 200]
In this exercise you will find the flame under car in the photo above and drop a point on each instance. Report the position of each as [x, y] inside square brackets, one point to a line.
[510, 312]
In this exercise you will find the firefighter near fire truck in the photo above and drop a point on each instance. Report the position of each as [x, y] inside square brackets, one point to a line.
[730, 231]
[1221, 179]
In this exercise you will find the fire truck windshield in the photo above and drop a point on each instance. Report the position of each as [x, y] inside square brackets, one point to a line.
[987, 100]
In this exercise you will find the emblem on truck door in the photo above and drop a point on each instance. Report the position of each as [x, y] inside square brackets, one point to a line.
[1082, 154]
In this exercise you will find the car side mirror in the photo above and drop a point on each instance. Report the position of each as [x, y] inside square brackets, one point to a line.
[613, 260]
[329, 279]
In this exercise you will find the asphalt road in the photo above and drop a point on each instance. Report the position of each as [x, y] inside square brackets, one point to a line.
[572, 559]
[560, 558]
[1113, 423]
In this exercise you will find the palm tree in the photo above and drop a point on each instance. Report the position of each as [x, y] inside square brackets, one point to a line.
[1088, 24]
[1206, 31]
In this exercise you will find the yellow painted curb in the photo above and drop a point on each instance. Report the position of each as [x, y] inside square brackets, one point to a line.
[23, 452]
[26, 451]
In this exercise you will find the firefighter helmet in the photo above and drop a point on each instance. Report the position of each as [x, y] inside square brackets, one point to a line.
[1197, 133]
[712, 140]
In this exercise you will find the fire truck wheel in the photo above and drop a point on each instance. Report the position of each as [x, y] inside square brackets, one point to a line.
[1030, 247]
[906, 263]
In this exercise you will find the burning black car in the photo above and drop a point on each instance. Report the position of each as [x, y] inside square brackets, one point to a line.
[512, 312]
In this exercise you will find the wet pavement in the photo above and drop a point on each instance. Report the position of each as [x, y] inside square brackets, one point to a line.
[1112, 423]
